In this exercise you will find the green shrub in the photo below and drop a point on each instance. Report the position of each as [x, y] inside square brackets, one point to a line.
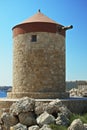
[83, 117]
[57, 127]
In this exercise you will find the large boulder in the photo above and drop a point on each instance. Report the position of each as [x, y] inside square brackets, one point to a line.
[34, 127]
[65, 111]
[45, 127]
[8, 120]
[76, 125]
[0, 127]
[85, 126]
[45, 118]
[19, 126]
[27, 118]
[40, 107]
[53, 107]
[62, 120]
[25, 104]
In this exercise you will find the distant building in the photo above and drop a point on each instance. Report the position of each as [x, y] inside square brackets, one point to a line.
[71, 84]
[82, 85]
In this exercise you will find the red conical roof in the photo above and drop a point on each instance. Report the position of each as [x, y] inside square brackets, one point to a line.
[39, 17]
[38, 23]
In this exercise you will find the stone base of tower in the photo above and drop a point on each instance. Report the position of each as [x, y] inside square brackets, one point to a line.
[37, 95]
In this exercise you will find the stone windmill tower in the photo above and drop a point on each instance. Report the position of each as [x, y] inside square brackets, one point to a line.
[39, 58]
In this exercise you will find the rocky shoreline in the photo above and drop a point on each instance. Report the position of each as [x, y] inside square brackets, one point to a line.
[27, 114]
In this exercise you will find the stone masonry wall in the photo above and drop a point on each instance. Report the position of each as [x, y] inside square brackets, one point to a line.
[75, 105]
[39, 67]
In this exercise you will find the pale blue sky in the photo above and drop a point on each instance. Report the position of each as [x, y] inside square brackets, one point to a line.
[66, 12]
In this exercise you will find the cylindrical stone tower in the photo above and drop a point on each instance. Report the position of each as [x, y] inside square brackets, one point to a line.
[39, 59]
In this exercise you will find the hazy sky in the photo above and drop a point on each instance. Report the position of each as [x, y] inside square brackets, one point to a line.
[65, 12]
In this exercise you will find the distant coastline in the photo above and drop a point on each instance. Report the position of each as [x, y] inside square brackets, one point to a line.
[5, 88]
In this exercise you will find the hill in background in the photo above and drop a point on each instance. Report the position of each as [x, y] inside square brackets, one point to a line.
[5, 88]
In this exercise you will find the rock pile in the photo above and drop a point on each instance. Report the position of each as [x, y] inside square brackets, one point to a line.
[27, 114]
[74, 92]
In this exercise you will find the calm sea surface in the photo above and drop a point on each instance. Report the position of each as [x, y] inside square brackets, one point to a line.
[3, 94]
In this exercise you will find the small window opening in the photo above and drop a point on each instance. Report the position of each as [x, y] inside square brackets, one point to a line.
[33, 38]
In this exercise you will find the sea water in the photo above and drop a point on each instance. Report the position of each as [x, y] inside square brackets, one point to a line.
[3, 94]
